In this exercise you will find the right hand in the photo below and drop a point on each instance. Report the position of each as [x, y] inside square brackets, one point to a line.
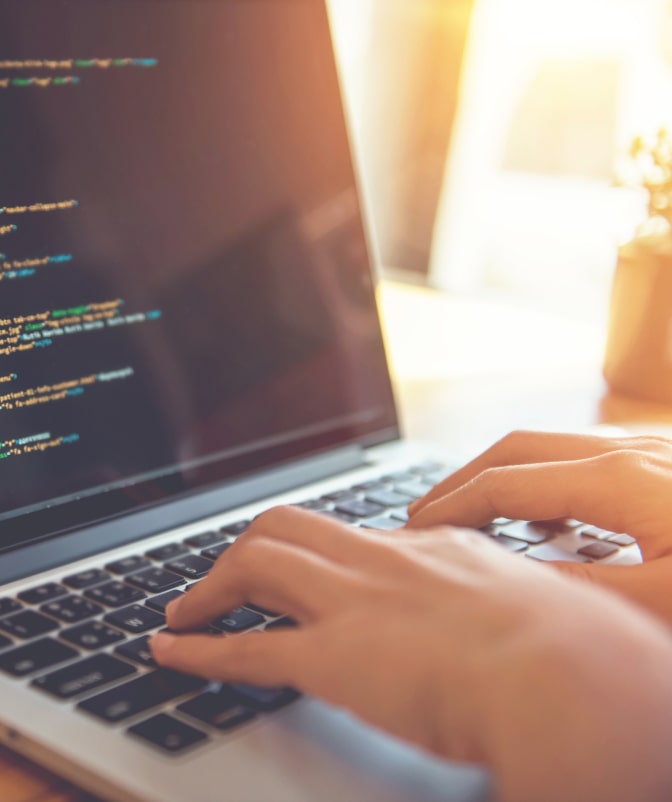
[443, 639]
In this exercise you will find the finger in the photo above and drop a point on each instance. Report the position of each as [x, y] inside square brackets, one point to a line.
[268, 658]
[275, 575]
[316, 533]
[647, 584]
[575, 489]
[522, 448]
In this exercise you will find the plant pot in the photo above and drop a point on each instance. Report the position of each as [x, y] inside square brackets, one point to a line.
[638, 359]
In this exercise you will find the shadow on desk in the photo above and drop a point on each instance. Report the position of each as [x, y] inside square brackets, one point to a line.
[23, 781]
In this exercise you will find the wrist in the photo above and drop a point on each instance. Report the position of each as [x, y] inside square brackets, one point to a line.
[583, 710]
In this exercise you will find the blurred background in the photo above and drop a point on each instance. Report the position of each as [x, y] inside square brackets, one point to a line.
[490, 132]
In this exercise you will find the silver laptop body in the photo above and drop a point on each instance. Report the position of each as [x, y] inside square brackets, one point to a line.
[188, 336]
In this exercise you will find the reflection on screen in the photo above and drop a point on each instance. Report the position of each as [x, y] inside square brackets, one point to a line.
[184, 282]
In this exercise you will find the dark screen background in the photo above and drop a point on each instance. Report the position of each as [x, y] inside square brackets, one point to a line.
[216, 236]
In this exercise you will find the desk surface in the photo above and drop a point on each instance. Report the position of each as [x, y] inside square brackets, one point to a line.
[549, 381]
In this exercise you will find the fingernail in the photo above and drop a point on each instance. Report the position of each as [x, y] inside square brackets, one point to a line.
[412, 507]
[161, 643]
[172, 608]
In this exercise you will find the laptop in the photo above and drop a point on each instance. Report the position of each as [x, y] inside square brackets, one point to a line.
[188, 335]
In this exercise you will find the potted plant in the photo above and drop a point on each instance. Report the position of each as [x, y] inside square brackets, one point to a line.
[638, 359]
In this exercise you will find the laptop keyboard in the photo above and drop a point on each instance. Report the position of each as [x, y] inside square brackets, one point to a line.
[85, 639]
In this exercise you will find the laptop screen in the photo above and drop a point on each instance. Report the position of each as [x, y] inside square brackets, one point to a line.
[185, 292]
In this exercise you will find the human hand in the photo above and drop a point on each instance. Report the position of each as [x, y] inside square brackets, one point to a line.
[443, 639]
[622, 484]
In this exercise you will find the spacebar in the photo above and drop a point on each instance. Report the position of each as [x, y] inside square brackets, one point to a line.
[138, 695]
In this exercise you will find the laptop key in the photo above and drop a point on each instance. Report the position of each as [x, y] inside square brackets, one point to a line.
[388, 498]
[489, 529]
[622, 540]
[401, 476]
[9, 606]
[155, 580]
[222, 709]
[415, 490]
[43, 593]
[360, 509]
[115, 594]
[510, 543]
[93, 635]
[72, 609]
[204, 540]
[191, 566]
[370, 487]
[520, 530]
[164, 553]
[215, 552]
[168, 733]
[27, 624]
[436, 477]
[343, 517]
[430, 466]
[128, 565]
[595, 532]
[282, 623]
[159, 603]
[340, 496]
[599, 550]
[257, 608]
[548, 553]
[135, 619]
[238, 620]
[314, 505]
[35, 657]
[265, 699]
[86, 579]
[141, 694]
[239, 528]
[5, 642]
[382, 524]
[84, 676]
[138, 651]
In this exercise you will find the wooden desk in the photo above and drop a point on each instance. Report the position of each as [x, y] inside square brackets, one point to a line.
[460, 408]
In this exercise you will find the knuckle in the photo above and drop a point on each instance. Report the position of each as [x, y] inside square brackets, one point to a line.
[513, 440]
[272, 518]
[509, 449]
[243, 651]
[651, 443]
[241, 555]
[624, 461]
[490, 478]
[626, 466]
[491, 485]
[390, 553]
[466, 538]
[518, 435]
[387, 549]
[246, 553]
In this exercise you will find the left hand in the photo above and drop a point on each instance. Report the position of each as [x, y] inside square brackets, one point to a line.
[620, 484]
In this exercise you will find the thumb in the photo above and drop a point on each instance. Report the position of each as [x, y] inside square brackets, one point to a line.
[647, 584]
